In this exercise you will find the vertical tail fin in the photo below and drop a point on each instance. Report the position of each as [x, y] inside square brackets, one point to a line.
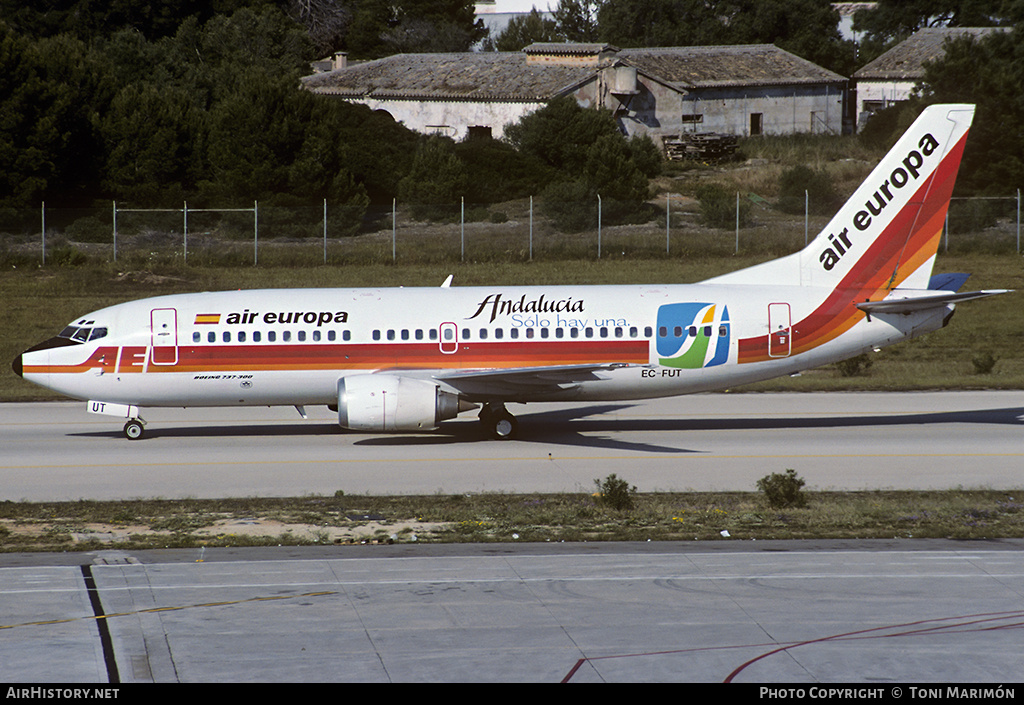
[887, 234]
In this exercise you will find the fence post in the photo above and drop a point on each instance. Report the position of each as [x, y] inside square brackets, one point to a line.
[599, 226]
[668, 218]
[325, 231]
[394, 225]
[43, 231]
[255, 233]
[531, 228]
[462, 225]
[184, 231]
[1018, 221]
[807, 210]
[115, 229]
[737, 222]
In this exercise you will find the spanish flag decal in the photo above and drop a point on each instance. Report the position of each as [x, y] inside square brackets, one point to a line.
[208, 318]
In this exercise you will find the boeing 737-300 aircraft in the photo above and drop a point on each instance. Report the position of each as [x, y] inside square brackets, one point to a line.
[395, 360]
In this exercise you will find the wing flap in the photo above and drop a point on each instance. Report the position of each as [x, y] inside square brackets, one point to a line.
[534, 380]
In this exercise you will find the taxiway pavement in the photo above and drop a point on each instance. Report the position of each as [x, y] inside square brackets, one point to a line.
[880, 614]
[842, 441]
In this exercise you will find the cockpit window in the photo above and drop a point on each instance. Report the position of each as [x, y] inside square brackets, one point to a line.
[82, 335]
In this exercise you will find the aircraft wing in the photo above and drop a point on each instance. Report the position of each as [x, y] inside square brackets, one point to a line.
[520, 380]
[911, 304]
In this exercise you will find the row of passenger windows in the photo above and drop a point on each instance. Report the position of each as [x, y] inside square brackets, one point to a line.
[448, 334]
[272, 336]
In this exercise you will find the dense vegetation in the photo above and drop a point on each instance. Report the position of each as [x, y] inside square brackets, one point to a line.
[152, 104]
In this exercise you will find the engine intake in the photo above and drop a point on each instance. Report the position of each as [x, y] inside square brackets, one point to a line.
[391, 403]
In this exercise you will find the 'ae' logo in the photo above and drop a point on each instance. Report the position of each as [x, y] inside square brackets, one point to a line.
[693, 335]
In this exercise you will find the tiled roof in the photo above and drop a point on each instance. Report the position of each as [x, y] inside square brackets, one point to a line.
[905, 61]
[465, 76]
[511, 76]
[738, 65]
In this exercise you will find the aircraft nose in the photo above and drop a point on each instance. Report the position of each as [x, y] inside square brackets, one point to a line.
[16, 366]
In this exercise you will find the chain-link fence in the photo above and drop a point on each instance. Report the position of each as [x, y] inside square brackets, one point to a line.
[517, 231]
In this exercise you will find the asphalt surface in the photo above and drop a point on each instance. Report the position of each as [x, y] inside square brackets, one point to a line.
[879, 614]
[883, 614]
[930, 440]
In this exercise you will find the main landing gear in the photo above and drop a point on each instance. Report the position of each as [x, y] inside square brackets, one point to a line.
[497, 422]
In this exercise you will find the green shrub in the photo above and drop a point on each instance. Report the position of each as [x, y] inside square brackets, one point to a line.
[801, 184]
[615, 492]
[783, 490]
[984, 363]
[854, 366]
[718, 207]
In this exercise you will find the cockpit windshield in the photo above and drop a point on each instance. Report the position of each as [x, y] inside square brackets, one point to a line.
[83, 334]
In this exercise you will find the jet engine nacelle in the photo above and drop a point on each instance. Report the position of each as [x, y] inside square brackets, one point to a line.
[390, 403]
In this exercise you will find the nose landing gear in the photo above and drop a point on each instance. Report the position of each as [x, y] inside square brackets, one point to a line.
[134, 429]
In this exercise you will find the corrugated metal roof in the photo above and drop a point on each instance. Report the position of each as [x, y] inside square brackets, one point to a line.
[737, 65]
[905, 61]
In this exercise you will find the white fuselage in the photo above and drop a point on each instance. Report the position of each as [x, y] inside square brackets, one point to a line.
[291, 346]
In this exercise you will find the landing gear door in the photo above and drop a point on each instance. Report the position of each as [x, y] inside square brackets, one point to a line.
[164, 326]
[780, 331]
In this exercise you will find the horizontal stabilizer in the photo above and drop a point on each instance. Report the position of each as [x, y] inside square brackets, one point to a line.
[912, 304]
[951, 281]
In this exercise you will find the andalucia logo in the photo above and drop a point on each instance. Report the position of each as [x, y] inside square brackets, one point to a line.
[693, 335]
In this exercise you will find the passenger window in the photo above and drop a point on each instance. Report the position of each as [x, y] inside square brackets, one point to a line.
[448, 333]
[693, 331]
[211, 337]
[286, 335]
[662, 332]
[419, 334]
[559, 333]
[316, 336]
[514, 333]
[647, 332]
[499, 333]
[589, 332]
[271, 336]
[707, 331]
[465, 333]
[256, 336]
[196, 337]
[391, 335]
[376, 335]
[226, 337]
[604, 332]
[433, 334]
[405, 335]
[633, 332]
[483, 334]
[331, 335]
[241, 336]
[544, 332]
[618, 332]
[723, 331]
[677, 332]
[302, 336]
[347, 335]
[574, 332]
